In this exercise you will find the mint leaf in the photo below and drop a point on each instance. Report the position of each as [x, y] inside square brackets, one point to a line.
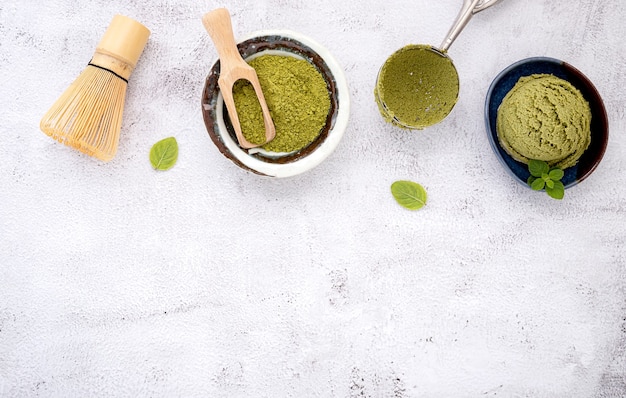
[541, 176]
[409, 194]
[556, 174]
[557, 191]
[163, 154]
[538, 167]
[538, 184]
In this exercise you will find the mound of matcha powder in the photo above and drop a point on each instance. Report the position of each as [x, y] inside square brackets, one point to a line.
[296, 95]
[544, 117]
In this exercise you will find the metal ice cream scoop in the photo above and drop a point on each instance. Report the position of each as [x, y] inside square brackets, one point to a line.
[423, 98]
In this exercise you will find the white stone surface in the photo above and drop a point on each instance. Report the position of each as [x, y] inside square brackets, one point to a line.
[208, 281]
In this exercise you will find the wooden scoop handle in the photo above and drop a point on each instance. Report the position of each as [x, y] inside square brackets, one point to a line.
[232, 68]
[220, 28]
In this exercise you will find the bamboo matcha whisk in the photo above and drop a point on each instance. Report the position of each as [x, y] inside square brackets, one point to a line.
[88, 115]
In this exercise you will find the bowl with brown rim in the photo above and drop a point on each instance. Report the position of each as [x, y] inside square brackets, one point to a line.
[257, 160]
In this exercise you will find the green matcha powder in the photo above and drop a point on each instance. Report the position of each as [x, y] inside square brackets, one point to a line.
[296, 95]
[416, 87]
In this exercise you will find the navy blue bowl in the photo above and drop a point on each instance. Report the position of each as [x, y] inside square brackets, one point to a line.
[505, 81]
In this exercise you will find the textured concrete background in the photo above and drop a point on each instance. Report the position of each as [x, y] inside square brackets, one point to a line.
[206, 280]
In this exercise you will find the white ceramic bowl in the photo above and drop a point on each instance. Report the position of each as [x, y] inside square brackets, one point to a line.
[256, 160]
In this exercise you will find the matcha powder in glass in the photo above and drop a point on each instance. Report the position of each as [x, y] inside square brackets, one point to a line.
[296, 95]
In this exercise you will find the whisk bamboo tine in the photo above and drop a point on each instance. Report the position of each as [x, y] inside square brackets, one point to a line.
[88, 115]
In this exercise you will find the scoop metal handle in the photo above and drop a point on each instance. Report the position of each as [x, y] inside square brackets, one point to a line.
[470, 7]
[484, 4]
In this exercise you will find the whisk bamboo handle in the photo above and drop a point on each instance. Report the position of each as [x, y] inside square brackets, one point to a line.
[121, 46]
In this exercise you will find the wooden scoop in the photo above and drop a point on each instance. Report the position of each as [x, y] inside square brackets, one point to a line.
[233, 68]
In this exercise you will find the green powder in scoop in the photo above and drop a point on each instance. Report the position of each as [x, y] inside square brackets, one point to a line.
[416, 87]
[296, 95]
[545, 118]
